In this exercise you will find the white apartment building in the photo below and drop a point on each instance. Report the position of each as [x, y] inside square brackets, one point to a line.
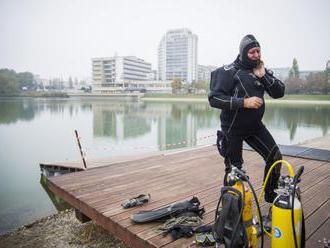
[204, 72]
[177, 56]
[114, 74]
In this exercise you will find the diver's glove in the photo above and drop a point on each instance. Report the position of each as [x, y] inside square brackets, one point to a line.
[179, 231]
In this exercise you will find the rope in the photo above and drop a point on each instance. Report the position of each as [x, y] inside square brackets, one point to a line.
[191, 221]
[183, 142]
[84, 150]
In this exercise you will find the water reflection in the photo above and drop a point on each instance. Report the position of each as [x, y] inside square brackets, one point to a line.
[174, 122]
[12, 111]
[58, 203]
[178, 122]
[120, 120]
[290, 117]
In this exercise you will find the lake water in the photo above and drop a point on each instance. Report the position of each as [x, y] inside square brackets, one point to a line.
[39, 130]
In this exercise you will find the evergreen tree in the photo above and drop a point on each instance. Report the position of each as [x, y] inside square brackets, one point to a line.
[294, 71]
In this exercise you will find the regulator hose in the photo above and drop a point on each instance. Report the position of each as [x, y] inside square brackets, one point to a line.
[295, 182]
[291, 173]
[259, 211]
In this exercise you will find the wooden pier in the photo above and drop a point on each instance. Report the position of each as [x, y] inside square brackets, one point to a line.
[98, 192]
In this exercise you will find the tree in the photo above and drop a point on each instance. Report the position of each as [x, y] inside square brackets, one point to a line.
[294, 71]
[8, 82]
[317, 82]
[201, 85]
[295, 85]
[26, 79]
[176, 85]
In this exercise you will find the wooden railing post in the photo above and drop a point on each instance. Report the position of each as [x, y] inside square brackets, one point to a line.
[81, 151]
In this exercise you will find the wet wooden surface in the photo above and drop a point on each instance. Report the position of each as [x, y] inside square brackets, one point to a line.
[98, 192]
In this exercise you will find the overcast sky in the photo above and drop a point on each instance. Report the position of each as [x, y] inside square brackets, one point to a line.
[59, 37]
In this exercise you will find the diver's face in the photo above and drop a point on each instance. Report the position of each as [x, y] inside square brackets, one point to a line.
[254, 53]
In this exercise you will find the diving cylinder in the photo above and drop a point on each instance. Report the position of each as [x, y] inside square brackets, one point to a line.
[247, 215]
[282, 233]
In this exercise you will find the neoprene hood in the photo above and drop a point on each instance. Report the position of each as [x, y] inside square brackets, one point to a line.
[248, 42]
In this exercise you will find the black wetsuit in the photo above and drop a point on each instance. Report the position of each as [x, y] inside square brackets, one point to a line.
[229, 86]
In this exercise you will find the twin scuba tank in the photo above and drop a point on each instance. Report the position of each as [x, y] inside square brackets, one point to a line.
[242, 230]
[251, 229]
[234, 224]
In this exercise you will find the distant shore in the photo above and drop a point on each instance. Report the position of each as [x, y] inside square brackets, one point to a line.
[38, 94]
[287, 99]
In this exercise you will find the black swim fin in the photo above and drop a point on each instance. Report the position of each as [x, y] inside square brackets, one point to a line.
[172, 210]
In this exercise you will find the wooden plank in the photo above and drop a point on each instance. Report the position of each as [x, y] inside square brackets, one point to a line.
[129, 238]
[322, 235]
[98, 192]
[124, 169]
[316, 220]
[109, 194]
[201, 177]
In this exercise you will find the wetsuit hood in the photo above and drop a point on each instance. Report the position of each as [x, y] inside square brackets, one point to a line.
[248, 42]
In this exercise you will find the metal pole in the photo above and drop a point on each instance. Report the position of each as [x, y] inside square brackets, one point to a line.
[81, 152]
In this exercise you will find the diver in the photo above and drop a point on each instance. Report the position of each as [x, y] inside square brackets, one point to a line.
[238, 90]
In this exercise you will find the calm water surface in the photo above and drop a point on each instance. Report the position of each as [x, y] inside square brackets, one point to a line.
[36, 130]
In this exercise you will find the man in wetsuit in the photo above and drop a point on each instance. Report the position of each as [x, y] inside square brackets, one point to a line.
[238, 90]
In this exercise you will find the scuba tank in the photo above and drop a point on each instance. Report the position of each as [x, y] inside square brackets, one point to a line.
[287, 204]
[288, 226]
[234, 225]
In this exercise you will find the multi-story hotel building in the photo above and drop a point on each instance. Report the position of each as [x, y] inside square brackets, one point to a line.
[114, 74]
[177, 56]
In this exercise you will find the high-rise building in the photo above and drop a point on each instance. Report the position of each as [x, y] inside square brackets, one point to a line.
[177, 56]
[115, 73]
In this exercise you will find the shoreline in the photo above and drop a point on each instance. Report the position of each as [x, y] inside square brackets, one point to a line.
[60, 230]
[64, 230]
[298, 99]
[270, 101]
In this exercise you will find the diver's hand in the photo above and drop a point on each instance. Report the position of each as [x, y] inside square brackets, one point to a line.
[253, 102]
[260, 71]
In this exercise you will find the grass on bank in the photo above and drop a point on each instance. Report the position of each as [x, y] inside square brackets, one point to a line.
[160, 95]
[201, 96]
[38, 94]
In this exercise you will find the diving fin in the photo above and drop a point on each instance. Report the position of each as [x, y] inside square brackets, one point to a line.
[172, 210]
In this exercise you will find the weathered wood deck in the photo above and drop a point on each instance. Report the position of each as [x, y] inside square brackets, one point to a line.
[78, 165]
[98, 192]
